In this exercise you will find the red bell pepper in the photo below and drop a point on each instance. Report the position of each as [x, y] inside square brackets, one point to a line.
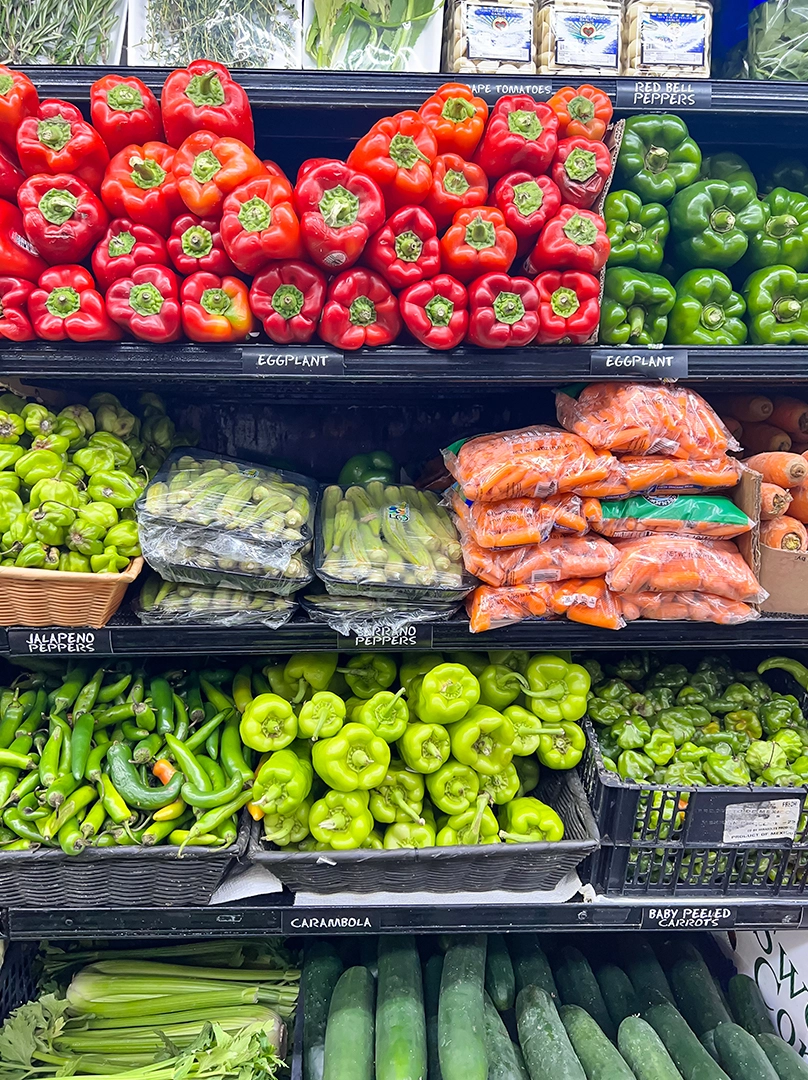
[397, 153]
[259, 224]
[125, 111]
[18, 99]
[522, 134]
[503, 311]
[456, 184]
[11, 175]
[66, 306]
[63, 219]
[360, 310]
[456, 118]
[274, 169]
[196, 244]
[208, 167]
[436, 312]
[147, 304]
[406, 249]
[288, 298]
[573, 240]
[527, 203]
[204, 97]
[586, 111]
[215, 308]
[15, 322]
[57, 139]
[140, 185]
[581, 169]
[125, 246]
[477, 242]
[18, 256]
[338, 208]
[569, 307]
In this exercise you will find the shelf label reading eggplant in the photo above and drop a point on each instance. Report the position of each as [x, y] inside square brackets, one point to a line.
[664, 94]
[688, 918]
[775, 819]
[329, 922]
[491, 92]
[650, 363]
[59, 642]
[383, 637]
[294, 360]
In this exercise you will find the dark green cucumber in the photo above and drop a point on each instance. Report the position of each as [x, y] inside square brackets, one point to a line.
[645, 972]
[543, 1038]
[432, 973]
[530, 964]
[644, 1051]
[748, 1007]
[787, 1062]
[349, 1034]
[689, 1056]
[500, 981]
[599, 1057]
[461, 1014]
[618, 993]
[321, 969]
[741, 1054]
[577, 985]
[696, 996]
[503, 1064]
[400, 1020]
[719, 989]
[707, 1040]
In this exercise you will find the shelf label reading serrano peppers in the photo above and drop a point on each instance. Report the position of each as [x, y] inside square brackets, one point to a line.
[415, 634]
[664, 94]
[59, 642]
[294, 360]
[688, 918]
[651, 363]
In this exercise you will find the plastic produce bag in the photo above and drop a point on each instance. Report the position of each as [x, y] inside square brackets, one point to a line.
[558, 558]
[637, 418]
[370, 618]
[164, 603]
[691, 606]
[512, 522]
[384, 36]
[581, 600]
[681, 564]
[636, 475]
[777, 47]
[588, 600]
[715, 517]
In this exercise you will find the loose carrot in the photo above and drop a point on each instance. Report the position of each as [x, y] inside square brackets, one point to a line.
[765, 438]
[785, 533]
[787, 470]
[735, 427]
[748, 408]
[774, 501]
[791, 415]
[799, 502]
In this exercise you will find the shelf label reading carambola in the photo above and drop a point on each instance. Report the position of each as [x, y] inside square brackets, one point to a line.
[664, 94]
[695, 917]
[308, 361]
[664, 362]
[329, 922]
[59, 642]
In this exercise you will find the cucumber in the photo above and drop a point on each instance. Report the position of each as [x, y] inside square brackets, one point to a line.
[461, 1015]
[503, 1064]
[741, 1054]
[689, 1056]
[349, 1033]
[530, 964]
[600, 1059]
[577, 985]
[432, 974]
[499, 977]
[787, 1062]
[321, 969]
[748, 1006]
[644, 1051]
[400, 1020]
[547, 1048]
[646, 973]
[707, 1040]
[618, 993]
[695, 992]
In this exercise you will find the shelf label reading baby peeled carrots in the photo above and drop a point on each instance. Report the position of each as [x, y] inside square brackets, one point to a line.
[651, 363]
[694, 917]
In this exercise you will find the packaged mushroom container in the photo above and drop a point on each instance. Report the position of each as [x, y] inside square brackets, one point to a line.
[578, 37]
[671, 38]
[490, 38]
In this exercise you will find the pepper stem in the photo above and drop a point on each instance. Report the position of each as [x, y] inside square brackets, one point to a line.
[146, 299]
[362, 311]
[480, 233]
[525, 123]
[439, 310]
[581, 230]
[287, 301]
[482, 802]
[146, 173]
[404, 151]
[205, 166]
[120, 244]
[197, 242]
[564, 302]
[722, 220]
[63, 302]
[205, 89]
[781, 226]
[515, 837]
[54, 132]
[339, 207]
[633, 230]
[581, 108]
[124, 98]
[455, 182]
[398, 800]
[527, 197]
[712, 316]
[215, 302]
[255, 215]
[457, 109]
[387, 709]
[656, 160]
[581, 165]
[636, 321]
[408, 246]
[787, 309]
[359, 759]
[509, 308]
[58, 206]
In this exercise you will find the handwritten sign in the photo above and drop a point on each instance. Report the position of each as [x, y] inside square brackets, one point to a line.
[59, 642]
[307, 362]
[664, 94]
[688, 918]
[649, 363]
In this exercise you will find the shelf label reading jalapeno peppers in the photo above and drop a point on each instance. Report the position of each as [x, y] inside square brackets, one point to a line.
[330, 922]
[664, 94]
[306, 361]
[59, 642]
[652, 363]
[380, 637]
[688, 918]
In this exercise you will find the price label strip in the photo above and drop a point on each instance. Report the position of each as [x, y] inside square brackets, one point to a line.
[59, 642]
[301, 361]
[664, 94]
[651, 363]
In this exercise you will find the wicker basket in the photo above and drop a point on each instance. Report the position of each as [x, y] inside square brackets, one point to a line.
[57, 598]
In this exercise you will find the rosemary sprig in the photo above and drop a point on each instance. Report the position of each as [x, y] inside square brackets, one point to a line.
[56, 31]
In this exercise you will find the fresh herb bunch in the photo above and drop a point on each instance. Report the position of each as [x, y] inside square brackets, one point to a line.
[778, 41]
[56, 32]
[375, 35]
[240, 33]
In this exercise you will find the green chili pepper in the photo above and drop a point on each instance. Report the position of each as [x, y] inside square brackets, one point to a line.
[557, 689]
[483, 740]
[453, 788]
[354, 758]
[291, 828]
[425, 747]
[282, 782]
[399, 797]
[526, 729]
[529, 820]
[385, 713]
[80, 744]
[126, 780]
[561, 746]
[503, 786]
[341, 819]
[475, 826]
[231, 752]
[268, 723]
[322, 716]
[368, 673]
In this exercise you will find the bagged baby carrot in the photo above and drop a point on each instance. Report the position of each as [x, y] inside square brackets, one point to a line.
[491, 608]
[712, 516]
[690, 606]
[785, 533]
[513, 522]
[588, 600]
[645, 418]
[556, 559]
[648, 474]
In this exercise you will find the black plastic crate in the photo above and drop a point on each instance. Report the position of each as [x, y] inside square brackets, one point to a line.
[519, 867]
[17, 982]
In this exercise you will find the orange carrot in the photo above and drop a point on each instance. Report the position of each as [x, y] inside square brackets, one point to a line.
[787, 470]
[785, 533]
[163, 770]
[693, 606]
[774, 501]
[748, 408]
[764, 438]
[735, 427]
[799, 502]
[791, 415]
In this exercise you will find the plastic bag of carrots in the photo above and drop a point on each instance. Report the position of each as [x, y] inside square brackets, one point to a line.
[529, 463]
[557, 559]
[681, 564]
[585, 600]
[648, 475]
[645, 418]
[513, 522]
[690, 606]
[713, 516]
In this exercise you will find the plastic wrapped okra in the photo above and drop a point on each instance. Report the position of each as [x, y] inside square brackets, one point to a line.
[162, 603]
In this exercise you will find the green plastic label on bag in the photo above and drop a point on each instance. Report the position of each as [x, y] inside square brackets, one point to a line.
[706, 516]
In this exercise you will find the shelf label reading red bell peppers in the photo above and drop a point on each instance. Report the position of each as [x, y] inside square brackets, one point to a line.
[664, 362]
[664, 94]
[59, 642]
[292, 360]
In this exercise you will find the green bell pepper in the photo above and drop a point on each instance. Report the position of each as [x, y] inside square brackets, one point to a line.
[660, 697]
[691, 753]
[368, 673]
[777, 307]
[763, 755]
[745, 720]
[124, 537]
[500, 686]
[12, 427]
[759, 689]
[268, 723]
[631, 733]
[399, 797]
[448, 692]
[707, 311]
[282, 783]
[341, 819]
[515, 659]
[725, 769]
[661, 747]
[606, 712]
[365, 468]
[634, 765]
[711, 222]
[800, 766]
[354, 758]
[313, 669]
[10, 481]
[115, 487]
[503, 786]
[780, 778]
[595, 671]
[409, 835]
[453, 788]
[483, 740]
[291, 828]
[475, 826]
[657, 157]
[557, 689]
[790, 743]
[727, 166]
[56, 443]
[635, 307]
[684, 774]
[425, 747]
[529, 820]
[322, 716]
[632, 668]
[10, 455]
[561, 746]
[782, 239]
[385, 713]
[38, 465]
[526, 729]
[637, 233]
